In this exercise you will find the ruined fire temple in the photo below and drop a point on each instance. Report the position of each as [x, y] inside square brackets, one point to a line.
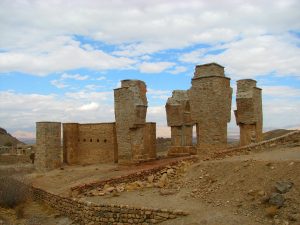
[206, 106]
[249, 111]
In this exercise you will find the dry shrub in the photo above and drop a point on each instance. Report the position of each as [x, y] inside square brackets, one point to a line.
[12, 192]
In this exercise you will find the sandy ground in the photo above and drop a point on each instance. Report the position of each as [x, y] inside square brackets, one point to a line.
[32, 213]
[227, 191]
[60, 181]
[224, 191]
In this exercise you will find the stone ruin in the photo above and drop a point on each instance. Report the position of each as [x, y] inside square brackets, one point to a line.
[249, 111]
[207, 105]
[129, 139]
[136, 138]
[48, 144]
[179, 119]
[210, 101]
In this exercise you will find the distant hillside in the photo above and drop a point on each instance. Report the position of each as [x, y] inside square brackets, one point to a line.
[7, 139]
[275, 133]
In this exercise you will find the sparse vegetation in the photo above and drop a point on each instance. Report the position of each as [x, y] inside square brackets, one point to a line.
[12, 192]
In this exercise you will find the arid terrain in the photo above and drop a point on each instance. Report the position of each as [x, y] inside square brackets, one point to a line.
[257, 187]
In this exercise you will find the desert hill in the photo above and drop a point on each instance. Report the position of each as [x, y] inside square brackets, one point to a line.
[275, 133]
[7, 139]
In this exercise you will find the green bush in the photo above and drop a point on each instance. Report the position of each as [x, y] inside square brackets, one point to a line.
[12, 192]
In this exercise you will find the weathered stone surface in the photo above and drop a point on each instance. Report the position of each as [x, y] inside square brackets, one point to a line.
[135, 137]
[48, 145]
[179, 118]
[89, 143]
[249, 111]
[276, 199]
[283, 186]
[210, 101]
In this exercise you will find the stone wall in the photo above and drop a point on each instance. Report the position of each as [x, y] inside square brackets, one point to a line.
[135, 176]
[89, 143]
[48, 145]
[289, 138]
[130, 113]
[210, 100]
[83, 212]
[179, 119]
[13, 159]
[249, 111]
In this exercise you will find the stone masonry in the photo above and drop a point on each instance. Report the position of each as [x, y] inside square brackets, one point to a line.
[180, 121]
[130, 113]
[89, 143]
[210, 100]
[249, 115]
[48, 145]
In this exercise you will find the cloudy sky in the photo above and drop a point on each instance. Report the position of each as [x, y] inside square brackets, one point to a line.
[60, 60]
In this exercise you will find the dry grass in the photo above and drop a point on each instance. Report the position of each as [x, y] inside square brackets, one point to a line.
[12, 192]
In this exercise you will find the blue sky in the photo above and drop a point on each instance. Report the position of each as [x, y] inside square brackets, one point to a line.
[61, 60]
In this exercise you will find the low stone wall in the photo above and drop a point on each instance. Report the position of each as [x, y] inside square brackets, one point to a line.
[292, 137]
[6, 159]
[90, 213]
[141, 175]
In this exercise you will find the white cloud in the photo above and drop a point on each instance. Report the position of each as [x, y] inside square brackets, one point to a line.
[146, 26]
[101, 78]
[58, 84]
[92, 87]
[68, 56]
[155, 67]
[194, 56]
[178, 69]
[158, 94]
[74, 76]
[253, 56]
[280, 91]
[23, 110]
[89, 106]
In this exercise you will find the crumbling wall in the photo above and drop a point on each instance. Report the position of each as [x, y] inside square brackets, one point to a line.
[89, 143]
[210, 101]
[130, 113]
[249, 111]
[48, 145]
[180, 121]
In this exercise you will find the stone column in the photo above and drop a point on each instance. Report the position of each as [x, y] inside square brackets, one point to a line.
[130, 113]
[179, 119]
[210, 100]
[48, 154]
[249, 115]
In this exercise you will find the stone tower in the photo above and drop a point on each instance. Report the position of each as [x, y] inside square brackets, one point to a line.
[48, 145]
[249, 116]
[210, 100]
[131, 127]
[179, 119]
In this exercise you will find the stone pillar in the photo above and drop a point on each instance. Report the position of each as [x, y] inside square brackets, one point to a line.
[150, 140]
[249, 115]
[70, 143]
[210, 100]
[48, 154]
[130, 113]
[179, 119]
